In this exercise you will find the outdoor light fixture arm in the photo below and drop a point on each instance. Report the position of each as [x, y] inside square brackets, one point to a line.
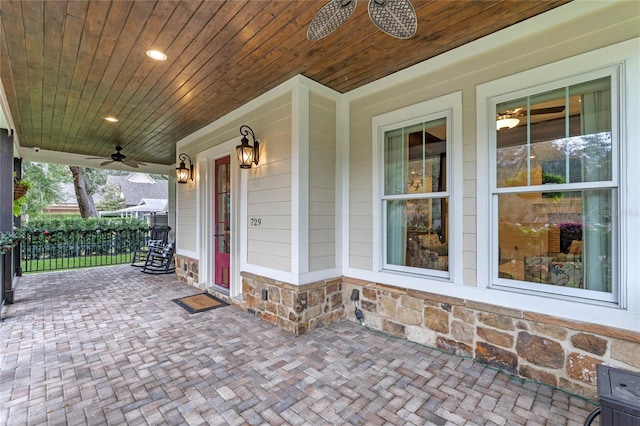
[183, 174]
[248, 154]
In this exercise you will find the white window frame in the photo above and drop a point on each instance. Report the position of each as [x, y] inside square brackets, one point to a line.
[619, 63]
[449, 107]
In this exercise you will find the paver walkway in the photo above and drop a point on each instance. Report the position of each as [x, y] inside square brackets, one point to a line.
[108, 346]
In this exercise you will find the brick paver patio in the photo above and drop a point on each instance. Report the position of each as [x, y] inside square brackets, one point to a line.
[108, 346]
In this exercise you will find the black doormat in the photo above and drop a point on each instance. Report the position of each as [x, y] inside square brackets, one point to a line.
[200, 303]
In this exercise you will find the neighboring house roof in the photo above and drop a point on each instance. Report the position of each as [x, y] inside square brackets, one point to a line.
[137, 186]
[147, 205]
[68, 195]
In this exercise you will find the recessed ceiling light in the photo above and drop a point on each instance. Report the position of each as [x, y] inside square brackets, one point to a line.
[111, 119]
[157, 55]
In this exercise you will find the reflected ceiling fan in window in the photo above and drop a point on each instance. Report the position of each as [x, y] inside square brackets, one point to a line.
[508, 119]
[118, 157]
[394, 17]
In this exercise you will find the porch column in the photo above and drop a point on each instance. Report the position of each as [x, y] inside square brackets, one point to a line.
[17, 222]
[6, 212]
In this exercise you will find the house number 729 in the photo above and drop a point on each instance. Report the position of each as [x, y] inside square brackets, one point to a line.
[255, 221]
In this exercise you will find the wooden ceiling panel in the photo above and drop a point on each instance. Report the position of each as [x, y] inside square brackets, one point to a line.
[66, 65]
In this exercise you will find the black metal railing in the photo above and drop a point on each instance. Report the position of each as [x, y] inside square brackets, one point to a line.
[48, 251]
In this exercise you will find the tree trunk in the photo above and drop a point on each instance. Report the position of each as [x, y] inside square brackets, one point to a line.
[85, 202]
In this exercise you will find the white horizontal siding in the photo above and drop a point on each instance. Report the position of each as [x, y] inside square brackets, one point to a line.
[266, 260]
[318, 263]
[324, 249]
[282, 180]
[322, 189]
[269, 191]
[266, 233]
[324, 208]
[276, 195]
[321, 236]
[270, 209]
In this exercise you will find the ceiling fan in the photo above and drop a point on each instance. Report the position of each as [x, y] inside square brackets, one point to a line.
[508, 119]
[394, 17]
[521, 112]
[118, 157]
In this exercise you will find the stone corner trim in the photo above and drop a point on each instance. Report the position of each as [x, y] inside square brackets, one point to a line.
[187, 269]
[298, 309]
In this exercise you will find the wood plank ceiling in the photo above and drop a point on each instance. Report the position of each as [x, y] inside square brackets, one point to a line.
[65, 65]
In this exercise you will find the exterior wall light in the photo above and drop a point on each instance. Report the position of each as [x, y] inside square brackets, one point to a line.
[247, 154]
[183, 174]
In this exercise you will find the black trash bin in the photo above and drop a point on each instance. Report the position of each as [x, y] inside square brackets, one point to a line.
[619, 397]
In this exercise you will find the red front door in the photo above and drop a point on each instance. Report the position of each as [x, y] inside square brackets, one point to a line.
[222, 222]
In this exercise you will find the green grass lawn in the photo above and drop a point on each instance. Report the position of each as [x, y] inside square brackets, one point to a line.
[39, 265]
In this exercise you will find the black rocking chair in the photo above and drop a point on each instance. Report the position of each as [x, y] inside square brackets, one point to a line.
[157, 236]
[160, 259]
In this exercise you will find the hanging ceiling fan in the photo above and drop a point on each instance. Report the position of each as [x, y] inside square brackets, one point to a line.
[521, 112]
[118, 157]
[394, 17]
[508, 119]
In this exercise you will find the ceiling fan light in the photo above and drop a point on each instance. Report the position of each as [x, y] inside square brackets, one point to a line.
[507, 123]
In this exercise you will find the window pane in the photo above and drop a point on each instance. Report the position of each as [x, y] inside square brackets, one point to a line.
[545, 148]
[417, 233]
[557, 238]
[415, 159]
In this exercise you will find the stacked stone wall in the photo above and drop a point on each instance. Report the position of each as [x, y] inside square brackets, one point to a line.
[546, 349]
[187, 270]
[298, 309]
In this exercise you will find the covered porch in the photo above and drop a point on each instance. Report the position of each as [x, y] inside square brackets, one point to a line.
[108, 346]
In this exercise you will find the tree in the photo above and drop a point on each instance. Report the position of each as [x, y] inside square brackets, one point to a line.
[112, 198]
[83, 194]
[95, 178]
[45, 189]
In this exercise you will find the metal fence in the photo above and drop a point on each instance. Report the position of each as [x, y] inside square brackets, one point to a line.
[48, 251]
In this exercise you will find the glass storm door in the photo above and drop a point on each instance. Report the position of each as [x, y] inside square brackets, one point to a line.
[222, 222]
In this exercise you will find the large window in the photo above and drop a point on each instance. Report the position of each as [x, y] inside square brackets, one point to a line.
[416, 196]
[555, 187]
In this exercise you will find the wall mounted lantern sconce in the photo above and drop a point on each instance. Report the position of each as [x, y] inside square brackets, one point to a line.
[183, 174]
[248, 154]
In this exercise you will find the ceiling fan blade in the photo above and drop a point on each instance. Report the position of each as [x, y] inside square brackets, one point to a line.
[105, 163]
[522, 112]
[95, 158]
[549, 110]
[395, 17]
[132, 163]
[329, 18]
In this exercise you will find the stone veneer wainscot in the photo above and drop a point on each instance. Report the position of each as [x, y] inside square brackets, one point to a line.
[298, 309]
[543, 348]
[187, 270]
